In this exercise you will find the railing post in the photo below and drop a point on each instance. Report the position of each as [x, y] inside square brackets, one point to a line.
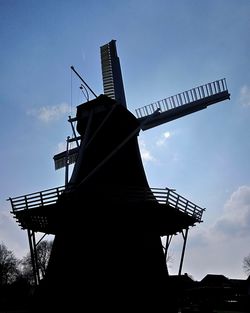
[168, 191]
[41, 197]
[12, 204]
[26, 202]
[176, 203]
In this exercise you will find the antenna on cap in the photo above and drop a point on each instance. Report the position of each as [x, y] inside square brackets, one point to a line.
[73, 69]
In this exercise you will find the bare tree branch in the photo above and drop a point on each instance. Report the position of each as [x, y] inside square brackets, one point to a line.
[246, 264]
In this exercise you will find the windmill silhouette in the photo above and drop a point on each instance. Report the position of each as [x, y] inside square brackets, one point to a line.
[107, 221]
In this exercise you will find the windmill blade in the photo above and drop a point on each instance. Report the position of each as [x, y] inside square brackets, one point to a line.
[182, 104]
[111, 73]
[65, 157]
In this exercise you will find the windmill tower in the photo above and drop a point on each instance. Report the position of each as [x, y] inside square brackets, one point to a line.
[107, 220]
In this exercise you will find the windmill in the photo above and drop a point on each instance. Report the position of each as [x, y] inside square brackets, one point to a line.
[107, 210]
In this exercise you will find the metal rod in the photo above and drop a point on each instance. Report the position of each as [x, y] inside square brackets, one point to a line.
[37, 243]
[73, 69]
[67, 163]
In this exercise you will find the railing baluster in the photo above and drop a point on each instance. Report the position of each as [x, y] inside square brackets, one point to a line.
[12, 204]
[167, 196]
[181, 204]
[41, 197]
[26, 202]
[176, 203]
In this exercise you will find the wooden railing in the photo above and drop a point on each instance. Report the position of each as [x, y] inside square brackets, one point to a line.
[36, 199]
[162, 196]
[178, 202]
[167, 196]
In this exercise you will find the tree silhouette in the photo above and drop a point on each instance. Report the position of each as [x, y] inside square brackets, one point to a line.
[9, 266]
[43, 254]
[246, 264]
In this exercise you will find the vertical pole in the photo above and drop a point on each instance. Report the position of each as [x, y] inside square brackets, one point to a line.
[183, 249]
[32, 256]
[168, 241]
[166, 247]
[35, 257]
[67, 163]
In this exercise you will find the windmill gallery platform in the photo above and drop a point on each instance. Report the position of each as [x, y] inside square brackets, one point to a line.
[107, 210]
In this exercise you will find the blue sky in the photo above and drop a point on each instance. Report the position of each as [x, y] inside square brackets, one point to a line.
[165, 47]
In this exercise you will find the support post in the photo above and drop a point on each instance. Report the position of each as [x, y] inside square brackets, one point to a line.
[32, 255]
[35, 257]
[183, 249]
[167, 244]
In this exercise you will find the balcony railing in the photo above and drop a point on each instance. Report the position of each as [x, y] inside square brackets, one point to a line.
[162, 196]
[36, 199]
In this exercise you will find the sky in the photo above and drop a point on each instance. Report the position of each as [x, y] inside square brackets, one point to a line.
[165, 47]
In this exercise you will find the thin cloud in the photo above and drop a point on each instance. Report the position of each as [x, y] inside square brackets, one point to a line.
[145, 152]
[233, 223]
[50, 113]
[245, 95]
[236, 217]
[163, 138]
[221, 247]
[61, 146]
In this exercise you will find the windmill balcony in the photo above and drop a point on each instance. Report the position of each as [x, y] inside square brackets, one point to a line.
[32, 211]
